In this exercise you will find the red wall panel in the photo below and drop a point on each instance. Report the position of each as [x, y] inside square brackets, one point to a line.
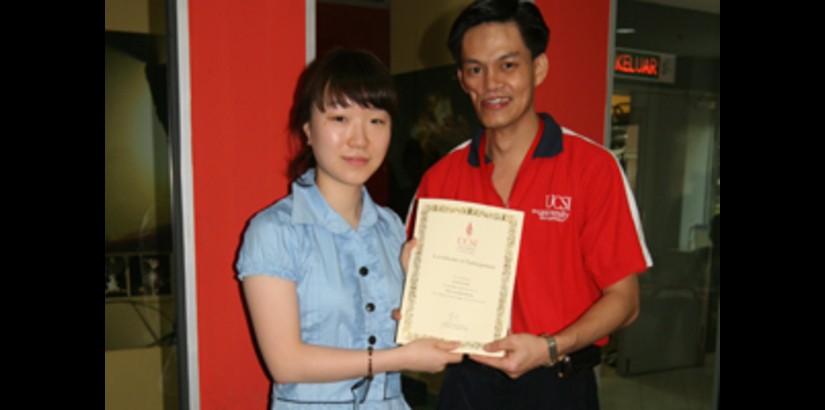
[245, 57]
[575, 92]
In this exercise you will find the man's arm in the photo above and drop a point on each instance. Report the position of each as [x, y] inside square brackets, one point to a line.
[618, 307]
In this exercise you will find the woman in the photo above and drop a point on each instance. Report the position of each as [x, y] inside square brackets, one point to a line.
[320, 268]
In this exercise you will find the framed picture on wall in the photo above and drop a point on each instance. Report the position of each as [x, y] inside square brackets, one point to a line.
[150, 275]
[115, 277]
[435, 115]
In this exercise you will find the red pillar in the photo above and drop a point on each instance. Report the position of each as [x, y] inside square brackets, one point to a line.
[245, 57]
[575, 92]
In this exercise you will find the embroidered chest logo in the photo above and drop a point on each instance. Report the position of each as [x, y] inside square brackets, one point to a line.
[557, 208]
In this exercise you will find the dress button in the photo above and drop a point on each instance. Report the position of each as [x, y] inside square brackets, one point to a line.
[371, 340]
[370, 307]
[363, 271]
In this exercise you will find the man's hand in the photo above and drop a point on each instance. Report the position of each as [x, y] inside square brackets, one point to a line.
[405, 259]
[405, 254]
[522, 352]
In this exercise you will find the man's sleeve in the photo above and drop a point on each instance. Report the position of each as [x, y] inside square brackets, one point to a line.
[613, 244]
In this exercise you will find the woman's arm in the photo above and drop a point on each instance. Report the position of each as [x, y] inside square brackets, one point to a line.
[273, 307]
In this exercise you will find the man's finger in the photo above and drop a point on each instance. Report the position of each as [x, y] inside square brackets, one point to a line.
[406, 252]
[486, 360]
[500, 344]
[448, 345]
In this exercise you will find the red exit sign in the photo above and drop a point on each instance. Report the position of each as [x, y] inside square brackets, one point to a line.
[645, 65]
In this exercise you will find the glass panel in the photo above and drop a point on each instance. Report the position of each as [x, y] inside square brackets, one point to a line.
[140, 342]
[666, 135]
[668, 144]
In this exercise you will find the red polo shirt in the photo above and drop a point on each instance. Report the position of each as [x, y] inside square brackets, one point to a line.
[581, 228]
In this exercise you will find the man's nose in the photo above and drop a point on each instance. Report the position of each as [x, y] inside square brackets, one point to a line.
[491, 80]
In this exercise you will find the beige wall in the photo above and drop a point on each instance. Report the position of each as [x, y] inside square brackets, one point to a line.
[138, 321]
[134, 379]
[136, 16]
[137, 184]
[422, 26]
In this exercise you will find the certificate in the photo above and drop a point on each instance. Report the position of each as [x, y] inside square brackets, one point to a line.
[459, 284]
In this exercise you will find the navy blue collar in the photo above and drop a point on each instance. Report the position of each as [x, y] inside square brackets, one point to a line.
[549, 145]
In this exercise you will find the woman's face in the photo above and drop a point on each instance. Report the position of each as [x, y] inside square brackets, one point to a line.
[349, 144]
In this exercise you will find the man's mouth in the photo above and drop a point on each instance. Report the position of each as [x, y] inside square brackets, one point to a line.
[493, 103]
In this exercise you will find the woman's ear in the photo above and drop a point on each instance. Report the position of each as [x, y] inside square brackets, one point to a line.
[306, 129]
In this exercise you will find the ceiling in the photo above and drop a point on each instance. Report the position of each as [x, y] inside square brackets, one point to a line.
[689, 28]
[707, 6]
[683, 31]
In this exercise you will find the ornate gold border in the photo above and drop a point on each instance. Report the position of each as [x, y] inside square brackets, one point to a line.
[500, 326]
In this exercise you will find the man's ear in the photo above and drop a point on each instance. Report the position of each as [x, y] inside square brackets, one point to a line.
[460, 75]
[540, 68]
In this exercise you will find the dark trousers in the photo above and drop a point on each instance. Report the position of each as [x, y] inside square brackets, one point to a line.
[473, 386]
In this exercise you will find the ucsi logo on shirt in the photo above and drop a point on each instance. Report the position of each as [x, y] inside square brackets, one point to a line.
[557, 208]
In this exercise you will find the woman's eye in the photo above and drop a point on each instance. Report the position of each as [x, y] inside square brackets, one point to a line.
[339, 118]
[378, 121]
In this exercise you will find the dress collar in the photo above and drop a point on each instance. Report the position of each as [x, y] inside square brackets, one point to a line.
[310, 207]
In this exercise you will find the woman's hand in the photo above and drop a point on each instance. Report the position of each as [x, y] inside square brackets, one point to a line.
[429, 355]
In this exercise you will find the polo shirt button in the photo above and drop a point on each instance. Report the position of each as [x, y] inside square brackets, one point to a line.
[363, 271]
[370, 307]
[371, 340]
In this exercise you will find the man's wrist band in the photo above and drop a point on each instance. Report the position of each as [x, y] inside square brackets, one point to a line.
[552, 349]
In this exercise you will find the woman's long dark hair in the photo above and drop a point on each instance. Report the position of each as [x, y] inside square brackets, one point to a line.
[335, 79]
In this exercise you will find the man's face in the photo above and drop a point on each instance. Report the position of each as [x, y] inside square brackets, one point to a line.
[499, 74]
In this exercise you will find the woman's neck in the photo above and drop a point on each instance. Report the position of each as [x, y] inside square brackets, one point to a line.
[345, 200]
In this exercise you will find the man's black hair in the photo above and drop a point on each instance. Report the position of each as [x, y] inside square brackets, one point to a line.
[527, 17]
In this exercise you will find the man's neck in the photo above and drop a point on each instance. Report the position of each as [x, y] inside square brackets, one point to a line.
[508, 146]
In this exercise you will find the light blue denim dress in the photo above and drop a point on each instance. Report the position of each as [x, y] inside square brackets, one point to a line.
[347, 281]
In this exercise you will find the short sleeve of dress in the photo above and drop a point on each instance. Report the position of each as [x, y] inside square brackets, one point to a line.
[268, 248]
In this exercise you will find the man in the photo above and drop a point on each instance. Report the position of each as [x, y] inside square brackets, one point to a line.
[582, 243]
